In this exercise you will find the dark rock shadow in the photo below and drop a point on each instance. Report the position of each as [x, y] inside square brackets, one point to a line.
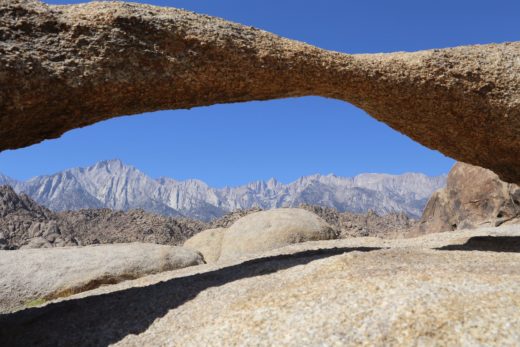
[487, 243]
[104, 319]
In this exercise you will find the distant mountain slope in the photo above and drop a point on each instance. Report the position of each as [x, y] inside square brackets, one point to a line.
[114, 185]
[4, 180]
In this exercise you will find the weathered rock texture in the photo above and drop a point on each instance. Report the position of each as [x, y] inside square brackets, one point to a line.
[24, 223]
[345, 224]
[444, 289]
[94, 226]
[208, 243]
[228, 219]
[262, 231]
[348, 224]
[474, 197]
[71, 66]
[34, 275]
[259, 231]
[273, 228]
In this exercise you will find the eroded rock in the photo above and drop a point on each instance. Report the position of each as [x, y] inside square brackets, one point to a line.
[37, 275]
[24, 223]
[71, 66]
[261, 231]
[207, 242]
[350, 224]
[438, 289]
[474, 197]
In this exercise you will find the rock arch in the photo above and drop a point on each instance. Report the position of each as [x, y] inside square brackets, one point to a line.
[63, 67]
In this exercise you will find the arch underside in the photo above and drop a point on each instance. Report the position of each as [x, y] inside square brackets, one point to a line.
[70, 66]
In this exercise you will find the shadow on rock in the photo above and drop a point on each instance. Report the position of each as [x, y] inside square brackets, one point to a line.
[104, 319]
[487, 243]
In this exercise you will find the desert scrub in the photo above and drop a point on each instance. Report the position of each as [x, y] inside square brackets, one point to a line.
[34, 303]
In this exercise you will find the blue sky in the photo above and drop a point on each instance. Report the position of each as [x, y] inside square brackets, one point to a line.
[236, 143]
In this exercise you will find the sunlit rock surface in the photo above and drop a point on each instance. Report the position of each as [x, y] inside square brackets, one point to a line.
[36, 275]
[473, 197]
[74, 65]
[450, 289]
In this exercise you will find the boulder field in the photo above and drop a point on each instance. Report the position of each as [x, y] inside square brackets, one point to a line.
[69, 66]
[280, 277]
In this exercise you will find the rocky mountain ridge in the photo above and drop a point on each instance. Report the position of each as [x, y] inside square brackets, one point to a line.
[25, 224]
[112, 184]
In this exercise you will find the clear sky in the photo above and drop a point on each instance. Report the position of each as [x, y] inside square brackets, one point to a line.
[237, 143]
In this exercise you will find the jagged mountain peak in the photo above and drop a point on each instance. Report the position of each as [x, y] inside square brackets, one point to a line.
[11, 202]
[271, 183]
[112, 164]
[113, 161]
[165, 180]
[116, 185]
[6, 180]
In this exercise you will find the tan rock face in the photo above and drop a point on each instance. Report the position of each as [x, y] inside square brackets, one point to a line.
[473, 197]
[71, 66]
[259, 232]
[266, 230]
[207, 242]
[443, 289]
[390, 298]
[42, 274]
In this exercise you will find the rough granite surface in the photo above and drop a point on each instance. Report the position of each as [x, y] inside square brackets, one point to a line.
[70, 66]
[445, 289]
[208, 242]
[24, 223]
[260, 231]
[266, 230]
[473, 198]
[30, 275]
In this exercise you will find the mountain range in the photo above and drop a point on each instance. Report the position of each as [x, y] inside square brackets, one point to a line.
[115, 185]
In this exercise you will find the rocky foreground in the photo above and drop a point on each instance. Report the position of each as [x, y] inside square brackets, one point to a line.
[450, 289]
[473, 197]
[32, 276]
